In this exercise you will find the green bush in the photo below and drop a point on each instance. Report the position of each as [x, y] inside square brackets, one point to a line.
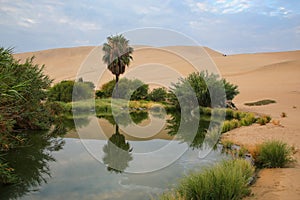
[227, 180]
[133, 89]
[203, 85]
[158, 95]
[67, 90]
[247, 119]
[22, 97]
[274, 154]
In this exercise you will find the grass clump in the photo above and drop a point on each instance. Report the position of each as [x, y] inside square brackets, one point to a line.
[260, 103]
[274, 154]
[263, 120]
[247, 119]
[227, 180]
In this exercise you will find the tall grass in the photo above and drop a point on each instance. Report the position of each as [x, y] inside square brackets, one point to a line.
[274, 154]
[227, 180]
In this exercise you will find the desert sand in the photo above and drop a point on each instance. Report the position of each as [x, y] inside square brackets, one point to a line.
[259, 76]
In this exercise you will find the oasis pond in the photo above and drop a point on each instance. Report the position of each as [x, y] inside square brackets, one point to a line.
[114, 163]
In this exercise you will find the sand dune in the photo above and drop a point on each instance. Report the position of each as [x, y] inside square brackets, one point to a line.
[259, 76]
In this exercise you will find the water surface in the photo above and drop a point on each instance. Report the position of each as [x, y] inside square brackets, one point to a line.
[91, 168]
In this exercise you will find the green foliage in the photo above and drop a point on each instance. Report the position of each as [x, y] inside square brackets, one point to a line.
[7, 175]
[22, 93]
[227, 180]
[66, 91]
[231, 90]
[158, 95]
[261, 102]
[247, 119]
[204, 86]
[127, 89]
[22, 104]
[230, 125]
[274, 154]
[117, 54]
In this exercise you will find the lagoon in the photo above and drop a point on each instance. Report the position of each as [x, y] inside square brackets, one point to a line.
[81, 166]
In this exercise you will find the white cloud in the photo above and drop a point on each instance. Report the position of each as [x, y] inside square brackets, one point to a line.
[220, 6]
[27, 22]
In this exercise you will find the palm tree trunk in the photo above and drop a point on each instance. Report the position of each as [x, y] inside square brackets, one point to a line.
[117, 129]
[117, 86]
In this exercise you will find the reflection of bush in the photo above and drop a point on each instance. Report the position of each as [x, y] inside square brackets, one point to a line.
[185, 133]
[31, 164]
[117, 153]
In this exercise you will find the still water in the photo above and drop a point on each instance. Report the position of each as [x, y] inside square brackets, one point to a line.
[87, 165]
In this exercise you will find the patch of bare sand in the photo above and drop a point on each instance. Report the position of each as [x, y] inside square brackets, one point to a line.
[281, 82]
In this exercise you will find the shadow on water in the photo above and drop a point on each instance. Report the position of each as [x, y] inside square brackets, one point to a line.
[31, 164]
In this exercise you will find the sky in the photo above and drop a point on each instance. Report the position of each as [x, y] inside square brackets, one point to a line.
[228, 26]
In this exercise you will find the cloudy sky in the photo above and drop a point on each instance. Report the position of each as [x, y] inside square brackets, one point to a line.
[229, 26]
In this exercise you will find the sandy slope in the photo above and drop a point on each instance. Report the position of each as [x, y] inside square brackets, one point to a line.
[259, 76]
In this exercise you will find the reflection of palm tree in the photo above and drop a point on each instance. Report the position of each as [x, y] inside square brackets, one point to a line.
[117, 152]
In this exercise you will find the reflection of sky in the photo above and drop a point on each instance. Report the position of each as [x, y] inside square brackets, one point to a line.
[77, 175]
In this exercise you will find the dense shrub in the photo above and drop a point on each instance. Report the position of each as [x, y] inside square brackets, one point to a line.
[127, 89]
[22, 89]
[158, 95]
[273, 154]
[204, 86]
[68, 90]
[22, 105]
[227, 180]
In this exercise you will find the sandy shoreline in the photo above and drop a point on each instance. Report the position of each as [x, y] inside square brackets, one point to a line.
[260, 76]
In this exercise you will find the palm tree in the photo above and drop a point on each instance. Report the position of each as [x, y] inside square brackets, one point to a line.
[117, 55]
